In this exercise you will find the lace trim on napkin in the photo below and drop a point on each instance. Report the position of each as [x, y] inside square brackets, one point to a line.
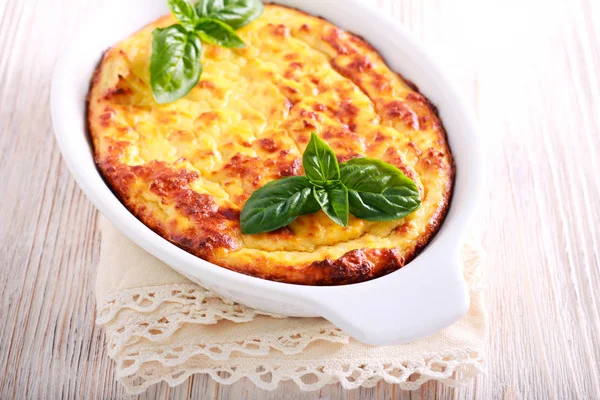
[129, 363]
[453, 368]
[204, 306]
[161, 311]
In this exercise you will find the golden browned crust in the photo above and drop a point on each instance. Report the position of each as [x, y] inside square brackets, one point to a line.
[193, 195]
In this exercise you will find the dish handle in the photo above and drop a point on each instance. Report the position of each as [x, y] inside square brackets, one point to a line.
[427, 295]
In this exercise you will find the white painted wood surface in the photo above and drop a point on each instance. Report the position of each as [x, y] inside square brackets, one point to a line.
[531, 71]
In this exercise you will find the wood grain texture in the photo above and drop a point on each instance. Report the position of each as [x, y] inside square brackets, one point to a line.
[530, 69]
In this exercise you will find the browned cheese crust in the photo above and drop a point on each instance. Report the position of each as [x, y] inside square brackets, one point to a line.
[185, 169]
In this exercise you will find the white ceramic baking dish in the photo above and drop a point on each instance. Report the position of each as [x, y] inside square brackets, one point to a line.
[423, 297]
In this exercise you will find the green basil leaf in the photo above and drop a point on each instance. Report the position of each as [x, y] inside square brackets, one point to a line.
[207, 7]
[219, 33]
[185, 13]
[202, 7]
[275, 205]
[319, 161]
[311, 206]
[378, 191]
[334, 202]
[175, 66]
[235, 13]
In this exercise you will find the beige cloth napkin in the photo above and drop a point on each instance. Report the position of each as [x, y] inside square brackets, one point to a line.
[162, 327]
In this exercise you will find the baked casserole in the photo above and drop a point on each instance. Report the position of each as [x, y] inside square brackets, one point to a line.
[186, 168]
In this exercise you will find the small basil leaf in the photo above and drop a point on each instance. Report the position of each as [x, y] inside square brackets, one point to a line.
[219, 33]
[334, 202]
[378, 191]
[235, 13]
[185, 13]
[311, 206]
[275, 205]
[202, 7]
[207, 7]
[319, 161]
[175, 66]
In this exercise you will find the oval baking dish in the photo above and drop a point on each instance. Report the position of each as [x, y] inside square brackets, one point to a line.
[426, 295]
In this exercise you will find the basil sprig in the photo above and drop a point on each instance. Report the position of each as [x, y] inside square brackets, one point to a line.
[378, 191]
[276, 204]
[235, 13]
[319, 162]
[333, 199]
[175, 64]
[369, 189]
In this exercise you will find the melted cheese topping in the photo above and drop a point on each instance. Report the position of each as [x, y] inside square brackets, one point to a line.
[186, 168]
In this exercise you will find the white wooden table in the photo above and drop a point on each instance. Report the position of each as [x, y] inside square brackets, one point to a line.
[531, 70]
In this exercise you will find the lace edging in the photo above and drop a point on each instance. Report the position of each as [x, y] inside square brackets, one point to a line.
[178, 304]
[201, 301]
[172, 316]
[453, 368]
[130, 363]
